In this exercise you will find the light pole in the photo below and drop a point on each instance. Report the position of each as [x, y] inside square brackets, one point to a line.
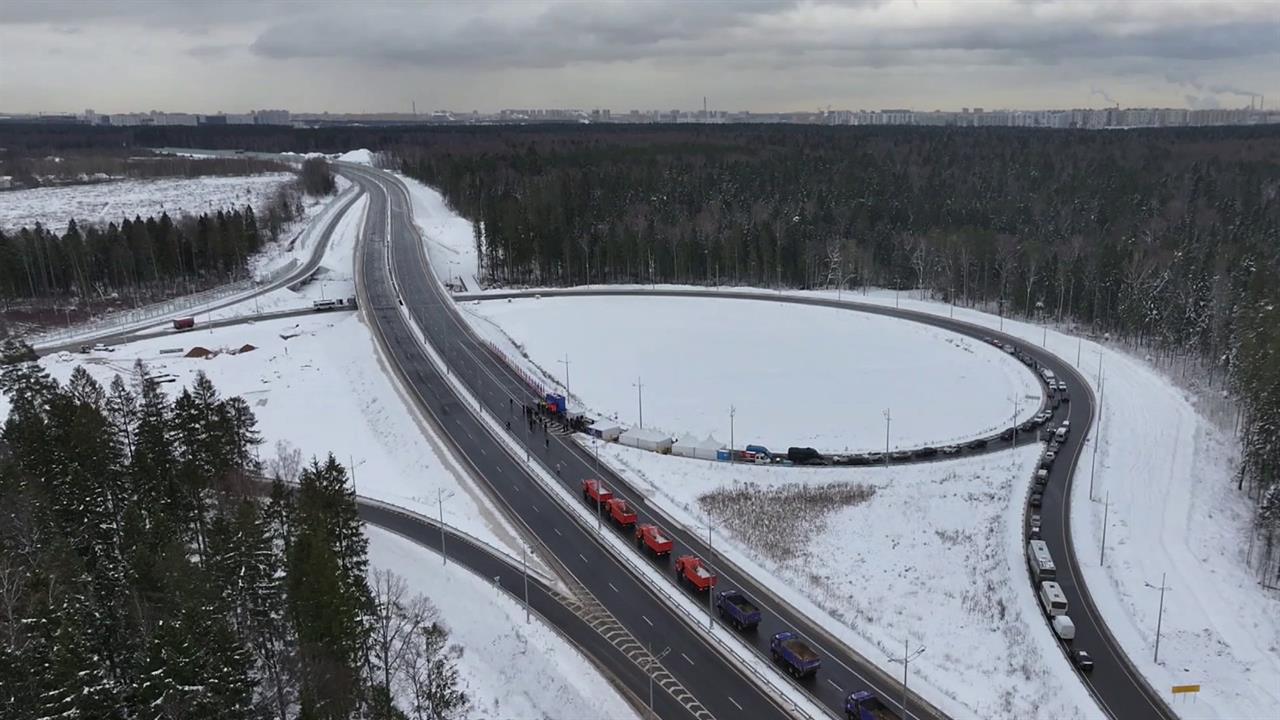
[907, 657]
[1160, 613]
[524, 569]
[711, 616]
[886, 437]
[639, 386]
[732, 411]
[654, 661]
[1014, 423]
[440, 501]
[1106, 511]
[351, 459]
[1097, 433]
[567, 393]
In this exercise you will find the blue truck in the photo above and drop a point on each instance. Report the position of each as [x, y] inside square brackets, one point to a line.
[794, 654]
[556, 404]
[864, 705]
[737, 609]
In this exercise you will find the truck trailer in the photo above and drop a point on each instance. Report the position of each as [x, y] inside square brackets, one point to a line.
[621, 515]
[864, 705]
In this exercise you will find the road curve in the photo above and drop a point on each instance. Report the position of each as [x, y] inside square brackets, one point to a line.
[701, 685]
[1121, 691]
[501, 393]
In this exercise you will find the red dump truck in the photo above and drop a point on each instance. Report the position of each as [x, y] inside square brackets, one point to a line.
[689, 569]
[594, 492]
[185, 323]
[651, 537]
[621, 515]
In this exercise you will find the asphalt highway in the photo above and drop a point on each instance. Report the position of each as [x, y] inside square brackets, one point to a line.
[702, 684]
[1119, 688]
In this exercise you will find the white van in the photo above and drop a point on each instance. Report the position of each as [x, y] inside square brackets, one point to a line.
[1052, 599]
[1060, 435]
[1064, 628]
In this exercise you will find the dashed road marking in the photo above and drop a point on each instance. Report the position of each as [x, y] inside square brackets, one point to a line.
[735, 702]
[646, 619]
[612, 587]
[584, 559]
[686, 658]
[834, 685]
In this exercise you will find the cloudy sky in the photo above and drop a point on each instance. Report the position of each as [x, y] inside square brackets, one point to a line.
[314, 55]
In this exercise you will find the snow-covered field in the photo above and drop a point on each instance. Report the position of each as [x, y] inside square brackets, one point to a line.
[112, 201]
[511, 669]
[933, 555]
[806, 376]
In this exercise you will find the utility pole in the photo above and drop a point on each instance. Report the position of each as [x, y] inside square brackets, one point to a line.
[1097, 434]
[1014, 423]
[907, 657]
[1160, 613]
[440, 499]
[567, 392]
[1106, 511]
[524, 568]
[639, 386]
[711, 616]
[886, 437]
[732, 411]
[1079, 347]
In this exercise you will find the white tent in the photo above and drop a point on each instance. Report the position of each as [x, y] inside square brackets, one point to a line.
[646, 439]
[708, 448]
[686, 446]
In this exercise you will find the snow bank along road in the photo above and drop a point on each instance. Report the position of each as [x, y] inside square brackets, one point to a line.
[1118, 687]
[701, 686]
[635, 602]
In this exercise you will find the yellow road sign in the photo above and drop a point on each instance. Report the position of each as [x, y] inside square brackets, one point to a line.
[1178, 689]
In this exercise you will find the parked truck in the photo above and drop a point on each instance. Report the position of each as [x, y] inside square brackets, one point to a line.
[652, 538]
[794, 654]
[737, 609]
[760, 452]
[185, 323]
[621, 515]
[556, 403]
[805, 456]
[595, 493]
[864, 705]
[689, 569]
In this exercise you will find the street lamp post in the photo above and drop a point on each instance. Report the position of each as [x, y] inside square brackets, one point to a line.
[886, 437]
[1097, 433]
[567, 392]
[654, 661]
[1106, 511]
[639, 386]
[444, 556]
[907, 657]
[524, 569]
[1160, 613]
[732, 411]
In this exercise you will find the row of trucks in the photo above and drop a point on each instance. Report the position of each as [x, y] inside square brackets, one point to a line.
[734, 607]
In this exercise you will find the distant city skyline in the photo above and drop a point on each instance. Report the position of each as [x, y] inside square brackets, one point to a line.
[761, 56]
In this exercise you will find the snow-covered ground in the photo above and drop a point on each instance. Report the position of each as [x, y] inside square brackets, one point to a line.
[927, 552]
[113, 201]
[509, 668]
[317, 383]
[796, 376]
[298, 239]
[449, 238]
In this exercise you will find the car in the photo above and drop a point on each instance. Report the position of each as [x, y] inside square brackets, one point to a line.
[950, 449]
[1054, 446]
[1007, 434]
[102, 348]
[1049, 456]
[900, 455]
[1035, 520]
[859, 460]
[1037, 499]
[1042, 477]
[987, 339]
[1082, 660]
[85, 349]
[1027, 426]
[925, 452]
[1064, 397]
[976, 444]
[875, 457]
[1009, 349]
[1046, 462]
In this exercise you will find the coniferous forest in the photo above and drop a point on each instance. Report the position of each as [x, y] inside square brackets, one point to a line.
[148, 570]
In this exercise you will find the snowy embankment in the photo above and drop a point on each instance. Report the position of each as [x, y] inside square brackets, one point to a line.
[511, 669]
[100, 203]
[448, 237]
[795, 375]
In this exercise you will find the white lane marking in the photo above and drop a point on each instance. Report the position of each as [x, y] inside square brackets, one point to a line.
[686, 658]
[584, 559]
[535, 508]
[613, 588]
[834, 685]
[557, 531]
[646, 619]
[735, 702]
[482, 452]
